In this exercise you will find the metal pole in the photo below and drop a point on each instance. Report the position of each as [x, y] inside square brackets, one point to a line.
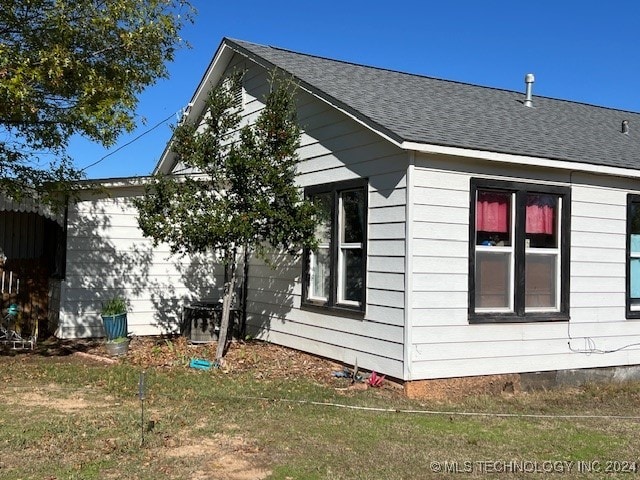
[141, 395]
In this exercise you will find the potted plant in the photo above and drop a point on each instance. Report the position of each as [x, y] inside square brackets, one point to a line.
[114, 320]
[117, 347]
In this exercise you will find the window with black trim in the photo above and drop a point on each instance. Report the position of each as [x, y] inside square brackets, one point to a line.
[633, 256]
[335, 271]
[518, 252]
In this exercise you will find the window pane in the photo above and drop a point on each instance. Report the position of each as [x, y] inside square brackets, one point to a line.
[493, 280]
[635, 278]
[540, 281]
[541, 221]
[634, 212]
[352, 216]
[635, 243]
[353, 282]
[634, 255]
[323, 226]
[320, 274]
[493, 218]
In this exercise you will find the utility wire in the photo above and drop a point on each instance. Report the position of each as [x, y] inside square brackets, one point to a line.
[130, 142]
[450, 413]
[590, 345]
[439, 412]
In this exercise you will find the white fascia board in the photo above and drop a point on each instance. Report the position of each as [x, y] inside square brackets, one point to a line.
[521, 159]
[122, 182]
[215, 70]
[125, 182]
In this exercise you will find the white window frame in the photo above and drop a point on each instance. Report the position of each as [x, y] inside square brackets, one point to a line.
[500, 250]
[342, 248]
[556, 252]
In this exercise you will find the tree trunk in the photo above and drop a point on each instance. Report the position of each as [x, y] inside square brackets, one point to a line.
[226, 309]
[245, 291]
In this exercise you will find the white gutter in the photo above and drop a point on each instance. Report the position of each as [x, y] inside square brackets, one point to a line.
[116, 182]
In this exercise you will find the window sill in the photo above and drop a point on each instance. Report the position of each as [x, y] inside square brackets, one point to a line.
[337, 311]
[533, 317]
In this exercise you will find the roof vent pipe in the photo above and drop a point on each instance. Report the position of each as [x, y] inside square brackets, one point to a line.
[625, 127]
[528, 80]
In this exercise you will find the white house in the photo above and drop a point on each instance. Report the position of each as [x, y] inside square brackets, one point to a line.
[474, 231]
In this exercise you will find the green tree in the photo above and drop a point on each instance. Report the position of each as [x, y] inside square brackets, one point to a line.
[75, 67]
[244, 198]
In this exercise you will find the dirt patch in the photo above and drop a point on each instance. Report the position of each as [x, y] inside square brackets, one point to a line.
[54, 398]
[222, 457]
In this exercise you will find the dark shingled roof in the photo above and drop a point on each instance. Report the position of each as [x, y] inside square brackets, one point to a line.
[427, 110]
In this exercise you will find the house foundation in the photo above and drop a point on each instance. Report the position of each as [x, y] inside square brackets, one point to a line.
[450, 388]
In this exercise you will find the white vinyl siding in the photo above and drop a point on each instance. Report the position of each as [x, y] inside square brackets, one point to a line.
[107, 253]
[444, 344]
[335, 148]
[107, 256]
[416, 308]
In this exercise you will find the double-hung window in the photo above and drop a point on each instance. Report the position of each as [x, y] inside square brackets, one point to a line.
[633, 256]
[519, 257]
[335, 270]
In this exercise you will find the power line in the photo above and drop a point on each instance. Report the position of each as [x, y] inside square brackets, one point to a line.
[129, 142]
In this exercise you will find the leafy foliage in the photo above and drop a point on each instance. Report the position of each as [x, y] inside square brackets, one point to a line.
[244, 194]
[375, 380]
[75, 67]
[114, 306]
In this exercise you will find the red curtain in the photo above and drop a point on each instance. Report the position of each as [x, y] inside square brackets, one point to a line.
[492, 212]
[541, 213]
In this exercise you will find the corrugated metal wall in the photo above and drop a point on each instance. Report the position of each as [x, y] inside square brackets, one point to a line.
[32, 248]
[22, 235]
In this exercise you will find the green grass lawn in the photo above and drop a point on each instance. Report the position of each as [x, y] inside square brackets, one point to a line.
[70, 419]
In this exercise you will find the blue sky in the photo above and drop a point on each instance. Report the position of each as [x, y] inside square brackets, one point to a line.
[583, 51]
